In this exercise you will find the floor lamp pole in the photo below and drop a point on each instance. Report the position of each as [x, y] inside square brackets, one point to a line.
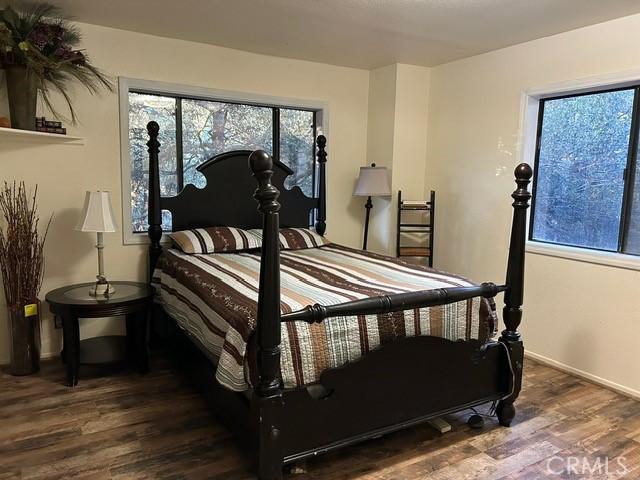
[367, 206]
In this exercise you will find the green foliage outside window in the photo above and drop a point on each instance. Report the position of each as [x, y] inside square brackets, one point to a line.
[209, 128]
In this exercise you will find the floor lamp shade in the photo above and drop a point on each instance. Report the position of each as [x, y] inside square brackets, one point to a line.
[97, 215]
[372, 182]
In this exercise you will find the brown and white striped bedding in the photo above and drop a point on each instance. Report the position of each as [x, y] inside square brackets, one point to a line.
[214, 240]
[295, 238]
[214, 298]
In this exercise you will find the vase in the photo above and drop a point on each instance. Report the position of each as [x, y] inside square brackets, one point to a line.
[24, 329]
[22, 92]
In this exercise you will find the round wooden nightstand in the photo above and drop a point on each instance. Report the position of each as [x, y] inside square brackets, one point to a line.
[131, 299]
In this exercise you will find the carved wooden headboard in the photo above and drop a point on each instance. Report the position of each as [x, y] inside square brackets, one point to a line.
[227, 198]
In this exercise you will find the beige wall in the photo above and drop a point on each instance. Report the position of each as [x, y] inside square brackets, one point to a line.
[410, 145]
[577, 314]
[380, 145]
[64, 172]
[410, 150]
[398, 101]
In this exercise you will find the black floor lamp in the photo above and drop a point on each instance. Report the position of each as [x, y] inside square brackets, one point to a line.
[372, 182]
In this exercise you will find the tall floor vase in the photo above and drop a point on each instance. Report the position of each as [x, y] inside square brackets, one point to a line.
[22, 92]
[25, 340]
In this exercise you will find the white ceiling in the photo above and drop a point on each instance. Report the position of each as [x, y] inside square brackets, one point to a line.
[356, 33]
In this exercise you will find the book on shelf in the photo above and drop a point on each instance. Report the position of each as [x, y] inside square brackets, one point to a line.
[49, 126]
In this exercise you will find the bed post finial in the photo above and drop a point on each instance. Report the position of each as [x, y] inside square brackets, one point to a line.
[266, 194]
[267, 399]
[154, 213]
[514, 295]
[321, 225]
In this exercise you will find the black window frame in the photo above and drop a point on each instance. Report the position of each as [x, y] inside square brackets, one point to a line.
[629, 173]
[275, 133]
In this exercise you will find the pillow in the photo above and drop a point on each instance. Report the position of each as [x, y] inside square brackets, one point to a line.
[295, 238]
[214, 240]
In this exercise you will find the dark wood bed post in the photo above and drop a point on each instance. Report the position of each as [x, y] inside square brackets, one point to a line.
[267, 401]
[155, 215]
[321, 225]
[514, 295]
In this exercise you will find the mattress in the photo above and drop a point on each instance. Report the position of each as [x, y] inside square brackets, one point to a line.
[213, 297]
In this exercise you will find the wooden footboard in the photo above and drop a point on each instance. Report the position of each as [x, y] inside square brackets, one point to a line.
[345, 416]
[401, 384]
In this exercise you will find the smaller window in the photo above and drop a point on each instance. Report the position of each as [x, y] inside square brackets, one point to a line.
[584, 172]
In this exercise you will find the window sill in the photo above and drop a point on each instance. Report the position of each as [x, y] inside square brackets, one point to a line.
[130, 238]
[609, 259]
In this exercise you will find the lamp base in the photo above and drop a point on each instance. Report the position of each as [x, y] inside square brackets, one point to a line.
[102, 288]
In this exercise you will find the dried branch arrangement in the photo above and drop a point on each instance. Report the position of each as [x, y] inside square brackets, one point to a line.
[21, 247]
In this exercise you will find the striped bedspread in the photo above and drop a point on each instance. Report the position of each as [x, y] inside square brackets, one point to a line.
[214, 297]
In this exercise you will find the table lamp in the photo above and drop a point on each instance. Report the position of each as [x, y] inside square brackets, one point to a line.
[372, 182]
[97, 216]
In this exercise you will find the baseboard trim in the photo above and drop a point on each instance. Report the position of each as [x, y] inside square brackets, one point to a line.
[630, 392]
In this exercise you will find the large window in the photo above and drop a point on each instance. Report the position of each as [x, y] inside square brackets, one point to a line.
[192, 130]
[586, 188]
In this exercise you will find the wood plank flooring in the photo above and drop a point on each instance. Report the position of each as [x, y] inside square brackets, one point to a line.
[125, 426]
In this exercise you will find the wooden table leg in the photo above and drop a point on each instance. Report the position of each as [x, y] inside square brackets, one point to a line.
[143, 340]
[137, 348]
[58, 321]
[71, 338]
[130, 323]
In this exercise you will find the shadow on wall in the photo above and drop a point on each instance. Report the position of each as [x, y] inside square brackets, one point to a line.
[381, 225]
[4, 103]
[76, 245]
[355, 209]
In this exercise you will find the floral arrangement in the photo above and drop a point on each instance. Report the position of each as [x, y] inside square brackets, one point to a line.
[40, 39]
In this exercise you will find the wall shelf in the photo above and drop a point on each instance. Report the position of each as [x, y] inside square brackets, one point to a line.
[39, 137]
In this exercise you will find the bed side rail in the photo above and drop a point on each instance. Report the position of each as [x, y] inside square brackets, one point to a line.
[393, 303]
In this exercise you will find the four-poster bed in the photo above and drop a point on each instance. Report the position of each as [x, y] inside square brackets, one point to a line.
[399, 384]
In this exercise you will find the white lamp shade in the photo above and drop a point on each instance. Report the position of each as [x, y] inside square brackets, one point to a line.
[97, 215]
[372, 182]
